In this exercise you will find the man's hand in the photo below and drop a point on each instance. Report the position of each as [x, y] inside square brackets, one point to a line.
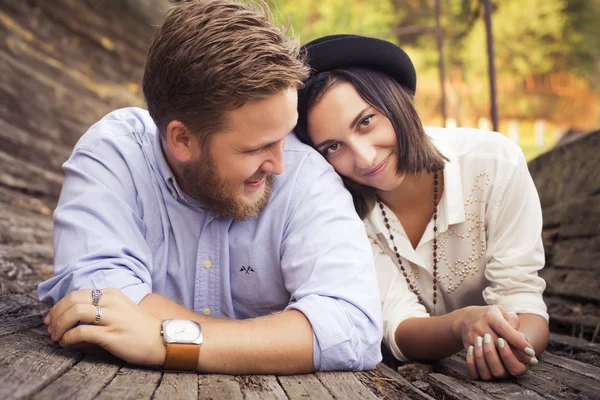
[495, 347]
[125, 330]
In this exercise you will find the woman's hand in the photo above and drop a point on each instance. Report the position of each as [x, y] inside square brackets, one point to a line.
[495, 347]
[124, 329]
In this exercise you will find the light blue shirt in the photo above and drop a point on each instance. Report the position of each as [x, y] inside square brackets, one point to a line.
[123, 222]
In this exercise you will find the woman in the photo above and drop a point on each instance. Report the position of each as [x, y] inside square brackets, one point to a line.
[453, 214]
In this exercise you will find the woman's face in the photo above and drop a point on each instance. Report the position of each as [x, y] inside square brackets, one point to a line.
[355, 138]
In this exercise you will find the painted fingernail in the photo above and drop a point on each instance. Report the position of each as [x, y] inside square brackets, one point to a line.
[533, 361]
[529, 351]
[479, 341]
[470, 350]
[487, 338]
[500, 342]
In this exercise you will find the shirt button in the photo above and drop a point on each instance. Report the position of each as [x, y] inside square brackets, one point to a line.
[206, 311]
[207, 264]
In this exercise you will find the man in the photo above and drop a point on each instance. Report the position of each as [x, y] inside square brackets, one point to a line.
[191, 206]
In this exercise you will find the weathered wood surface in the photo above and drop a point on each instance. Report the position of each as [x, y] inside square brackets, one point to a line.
[66, 63]
[568, 182]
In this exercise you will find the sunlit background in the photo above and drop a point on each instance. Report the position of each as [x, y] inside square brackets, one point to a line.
[547, 58]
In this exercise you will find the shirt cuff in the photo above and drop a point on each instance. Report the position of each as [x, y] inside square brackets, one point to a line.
[525, 303]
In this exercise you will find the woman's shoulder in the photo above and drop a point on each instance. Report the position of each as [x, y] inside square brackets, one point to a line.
[475, 144]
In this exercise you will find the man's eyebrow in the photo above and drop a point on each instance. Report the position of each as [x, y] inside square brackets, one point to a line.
[261, 146]
[355, 120]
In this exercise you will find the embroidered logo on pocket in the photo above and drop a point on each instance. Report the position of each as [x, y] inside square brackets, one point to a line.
[247, 269]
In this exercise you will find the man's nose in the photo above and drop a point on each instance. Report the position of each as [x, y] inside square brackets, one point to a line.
[274, 164]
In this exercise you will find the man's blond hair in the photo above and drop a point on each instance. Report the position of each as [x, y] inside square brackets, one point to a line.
[212, 56]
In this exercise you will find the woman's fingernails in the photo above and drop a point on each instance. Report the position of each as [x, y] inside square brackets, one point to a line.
[533, 361]
[500, 342]
[479, 341]
[470, 350]
[487, 338]
[529, 351]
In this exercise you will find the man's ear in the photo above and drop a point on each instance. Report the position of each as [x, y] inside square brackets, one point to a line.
[181, 141]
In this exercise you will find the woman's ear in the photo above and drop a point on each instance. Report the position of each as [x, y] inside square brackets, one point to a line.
[180, 141]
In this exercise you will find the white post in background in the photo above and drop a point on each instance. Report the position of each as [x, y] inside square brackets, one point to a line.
[451, 123]
[484, 124]
[513, 130]
[558, 133]
[540, 134]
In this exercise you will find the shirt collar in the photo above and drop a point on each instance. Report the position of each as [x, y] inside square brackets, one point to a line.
[452, 210]
[168, 176]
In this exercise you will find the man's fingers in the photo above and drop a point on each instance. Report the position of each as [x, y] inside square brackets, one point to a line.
[85, 313]
[482, 367]
[471, 367]
[514, 366]
[492, 358]
[91, 334]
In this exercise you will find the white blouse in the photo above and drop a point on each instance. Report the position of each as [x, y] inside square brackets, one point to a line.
[489, 236]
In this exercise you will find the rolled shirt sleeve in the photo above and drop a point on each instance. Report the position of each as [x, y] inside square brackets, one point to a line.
[515, 249]
[328, 269]
[98, 235]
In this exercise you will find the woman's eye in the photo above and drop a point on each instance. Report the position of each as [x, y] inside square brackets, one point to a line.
[366, 121]
[333, 148]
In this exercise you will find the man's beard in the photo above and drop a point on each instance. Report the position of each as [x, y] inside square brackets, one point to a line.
[202, 182]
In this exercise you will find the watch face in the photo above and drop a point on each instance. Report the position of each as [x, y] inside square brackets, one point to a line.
[182, 331]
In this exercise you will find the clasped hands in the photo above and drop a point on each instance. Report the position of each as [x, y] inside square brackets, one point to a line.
[123, 328]
[495, 347]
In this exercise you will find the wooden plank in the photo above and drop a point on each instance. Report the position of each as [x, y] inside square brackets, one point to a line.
[572, 365]
[29, 361]
[386, 383]
[304, 386]
[132, 383]
[564, 341]
[178, 386]
[261, 387]
[344, 385]
[84, 381]
[506, 389]
[219, 387]
[583, 284]
[19, 312]
[581, 385]
[457, 389]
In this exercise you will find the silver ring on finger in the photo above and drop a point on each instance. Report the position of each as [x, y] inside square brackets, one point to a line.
[96, 294]
[98, 316]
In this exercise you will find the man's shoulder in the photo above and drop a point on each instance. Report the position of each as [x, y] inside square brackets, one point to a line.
[299, 156]
[122, 128]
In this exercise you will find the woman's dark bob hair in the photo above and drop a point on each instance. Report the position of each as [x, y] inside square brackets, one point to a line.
[416, 153]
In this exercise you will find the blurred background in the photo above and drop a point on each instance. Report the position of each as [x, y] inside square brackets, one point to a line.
[547, 58]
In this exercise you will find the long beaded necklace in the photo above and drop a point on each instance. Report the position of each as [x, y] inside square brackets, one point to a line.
[413, 287]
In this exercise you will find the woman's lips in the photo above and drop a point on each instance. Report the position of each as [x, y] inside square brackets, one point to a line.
[379, 168]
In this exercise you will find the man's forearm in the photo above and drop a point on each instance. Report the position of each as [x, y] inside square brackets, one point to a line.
[279, 343]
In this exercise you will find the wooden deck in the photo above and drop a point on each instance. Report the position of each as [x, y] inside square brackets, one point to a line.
[32, 366]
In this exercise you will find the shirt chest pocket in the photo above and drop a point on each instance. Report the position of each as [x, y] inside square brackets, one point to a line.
[257, 284]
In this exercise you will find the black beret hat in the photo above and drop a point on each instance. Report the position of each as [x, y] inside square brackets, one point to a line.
[339, 51]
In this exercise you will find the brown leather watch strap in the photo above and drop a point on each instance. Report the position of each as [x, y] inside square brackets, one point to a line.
[181, 357]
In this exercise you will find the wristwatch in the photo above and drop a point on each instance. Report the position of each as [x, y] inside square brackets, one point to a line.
[183, 339]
